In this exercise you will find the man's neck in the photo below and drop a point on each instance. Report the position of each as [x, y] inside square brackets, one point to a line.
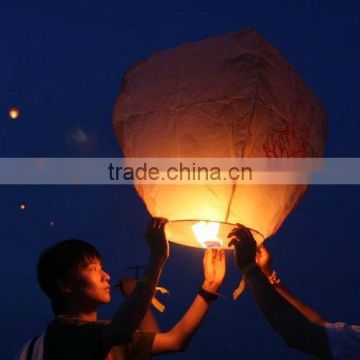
[83, 314]
[87, 316]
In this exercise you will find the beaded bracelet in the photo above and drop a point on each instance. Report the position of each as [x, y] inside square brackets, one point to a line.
[274, 278]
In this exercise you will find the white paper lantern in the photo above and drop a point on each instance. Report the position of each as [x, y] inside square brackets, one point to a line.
[228, 96]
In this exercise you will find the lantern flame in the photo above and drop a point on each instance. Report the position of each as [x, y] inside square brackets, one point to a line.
[206, 233]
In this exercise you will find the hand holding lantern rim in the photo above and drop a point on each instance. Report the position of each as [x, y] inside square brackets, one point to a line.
[214, 264]
[156, 239]
[245, 246]
[263, 260]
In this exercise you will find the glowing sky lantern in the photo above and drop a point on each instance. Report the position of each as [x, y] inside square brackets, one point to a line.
[14, 113]
[228, 96]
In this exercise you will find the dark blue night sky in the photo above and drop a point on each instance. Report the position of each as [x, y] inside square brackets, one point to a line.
[62, 64]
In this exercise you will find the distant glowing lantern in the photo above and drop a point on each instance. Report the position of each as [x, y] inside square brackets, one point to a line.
[14, 113]
[23, 206]
[230, 96]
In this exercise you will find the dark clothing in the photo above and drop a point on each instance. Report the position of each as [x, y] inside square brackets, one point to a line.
[69, 338]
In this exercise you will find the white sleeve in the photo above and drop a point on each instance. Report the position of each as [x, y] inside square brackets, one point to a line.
[21, 355]
[37, 350]
[344, 341]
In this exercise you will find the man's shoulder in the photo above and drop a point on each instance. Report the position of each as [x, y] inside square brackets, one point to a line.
[73, 322]
[75, 338]
[72, 330]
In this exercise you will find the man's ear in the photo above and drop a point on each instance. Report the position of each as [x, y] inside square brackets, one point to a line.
[66, 286]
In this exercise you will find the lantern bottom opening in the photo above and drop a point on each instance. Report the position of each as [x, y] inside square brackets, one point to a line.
[186, 232]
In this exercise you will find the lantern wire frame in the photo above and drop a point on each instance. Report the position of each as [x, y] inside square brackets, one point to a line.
[180, 231]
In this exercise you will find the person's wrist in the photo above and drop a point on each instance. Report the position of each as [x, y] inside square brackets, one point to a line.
[249, 266]
[274, 278]
[208, 296]
[161, 258]
[210, 286]
[146, 281]
[158, 259]
[244, 260]
[266, 270]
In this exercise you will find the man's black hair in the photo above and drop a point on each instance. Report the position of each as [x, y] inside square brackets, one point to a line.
[59, 263]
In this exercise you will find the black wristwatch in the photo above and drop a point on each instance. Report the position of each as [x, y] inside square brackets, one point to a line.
[207, 295]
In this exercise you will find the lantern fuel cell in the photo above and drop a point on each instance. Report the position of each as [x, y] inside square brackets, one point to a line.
[229, 96]
[204, 234]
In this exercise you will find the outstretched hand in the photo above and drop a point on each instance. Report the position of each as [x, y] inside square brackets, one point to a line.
[245, 245]
[156, 239]
[214, 263]
[263, 259]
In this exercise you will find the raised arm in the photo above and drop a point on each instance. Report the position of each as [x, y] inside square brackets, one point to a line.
[130, 314]
[180, 335]
[263, 259]
[149, 322]
[296, 330]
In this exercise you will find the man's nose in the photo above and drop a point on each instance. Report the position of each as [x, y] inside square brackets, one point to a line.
[106, 276]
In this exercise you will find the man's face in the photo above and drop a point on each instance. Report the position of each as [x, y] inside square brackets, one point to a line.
[91, 285]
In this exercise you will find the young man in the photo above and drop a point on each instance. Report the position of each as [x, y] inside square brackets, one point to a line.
[71, 274]
[299, 325]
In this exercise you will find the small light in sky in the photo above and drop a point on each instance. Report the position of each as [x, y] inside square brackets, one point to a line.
[14, 113]
[79, 136]
[51, 223]
[22, 206]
